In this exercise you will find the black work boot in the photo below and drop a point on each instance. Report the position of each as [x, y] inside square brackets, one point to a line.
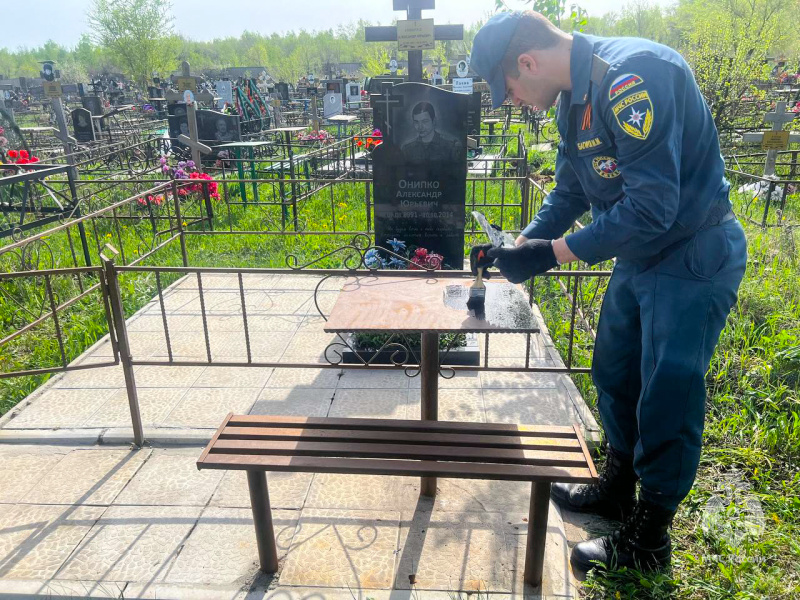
[642, 542]
[613, 496]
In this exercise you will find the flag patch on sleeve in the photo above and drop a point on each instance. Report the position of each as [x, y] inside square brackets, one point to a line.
[622, 84]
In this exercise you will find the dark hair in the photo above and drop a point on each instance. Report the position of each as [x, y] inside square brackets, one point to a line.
[422, 107]
[534, 32]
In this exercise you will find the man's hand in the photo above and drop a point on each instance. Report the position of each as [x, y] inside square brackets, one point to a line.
[478, 257]
[526, 260]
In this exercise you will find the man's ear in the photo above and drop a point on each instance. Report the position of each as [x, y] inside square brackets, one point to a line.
[527, 64]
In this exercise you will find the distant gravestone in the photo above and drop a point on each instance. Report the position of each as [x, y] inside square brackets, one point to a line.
[224, 92]
[420, 170]
[282, 90]
[178, 122]
[82, 125]
[474, 114]
[93, 104]
[332, 104]
[217, 127]
[353, 92]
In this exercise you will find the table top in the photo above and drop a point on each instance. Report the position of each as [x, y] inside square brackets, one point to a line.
[491, 120]
[37, 129]
[285, 129]
[343, 118]
[245, 144]
[427, 305]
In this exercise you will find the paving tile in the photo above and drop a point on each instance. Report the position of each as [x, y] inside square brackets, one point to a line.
[21, 468]
[168, 376]
[558, 581]
[92, 476]
[454, 405]
[310, 345]
[497, 379]
[308, 282]
[461, 379]
[58, 407]
[378, 378]
[325, 302]
[279, 302]
[234, 377]
[529, 406]
[286, 490]
[511, 345]
[222, 548]
[154, 405]
[207, 407]
[36, 539]
[296, 402]
[101, 377]
[343, 548]
[356, 492]
[227, 346]
[470, 495]
[370, 403]
[302, 378]
[455, 551]
[131, 543]
[155, 323]
[171, 478]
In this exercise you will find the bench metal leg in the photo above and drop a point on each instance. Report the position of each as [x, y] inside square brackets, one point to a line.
[537, 533]
[429, 392]
[262, 516]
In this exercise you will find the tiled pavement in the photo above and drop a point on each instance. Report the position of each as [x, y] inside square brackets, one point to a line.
[88, 519]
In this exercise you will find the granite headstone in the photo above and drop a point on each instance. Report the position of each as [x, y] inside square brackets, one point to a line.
[217, 128]
[82, 125]
[420, 169]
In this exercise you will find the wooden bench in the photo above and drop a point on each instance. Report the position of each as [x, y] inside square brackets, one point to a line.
[539, 454]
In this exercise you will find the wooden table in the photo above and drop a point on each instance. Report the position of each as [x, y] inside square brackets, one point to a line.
[429, 307]
[342, 121]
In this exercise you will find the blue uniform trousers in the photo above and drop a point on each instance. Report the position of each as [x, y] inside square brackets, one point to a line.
[659, 324]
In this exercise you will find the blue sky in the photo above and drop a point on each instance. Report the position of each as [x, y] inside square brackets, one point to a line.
[34, 22]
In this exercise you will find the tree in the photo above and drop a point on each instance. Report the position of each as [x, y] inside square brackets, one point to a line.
[137, 33]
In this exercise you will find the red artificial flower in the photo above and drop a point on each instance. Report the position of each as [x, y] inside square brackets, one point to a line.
[360, 143]
[23, 161]
[23, 154]
[34, 159]
[421, 253]
[12, 154]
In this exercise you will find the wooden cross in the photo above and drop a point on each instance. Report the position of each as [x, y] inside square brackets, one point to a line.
[414, 10]
[200, 96]
[193, 141]
[774, 142]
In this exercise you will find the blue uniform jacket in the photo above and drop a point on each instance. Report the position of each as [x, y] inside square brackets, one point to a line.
[638, 147]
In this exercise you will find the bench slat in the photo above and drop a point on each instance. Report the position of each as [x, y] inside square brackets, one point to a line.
[403, 425]
[397, 437]
[413, 468]
[400, 451]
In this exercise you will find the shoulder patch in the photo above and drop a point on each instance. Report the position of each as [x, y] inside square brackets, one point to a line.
[605, 166]
[634, 114]
[622, 84]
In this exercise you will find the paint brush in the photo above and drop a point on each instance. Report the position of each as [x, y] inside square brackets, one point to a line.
[477, 291]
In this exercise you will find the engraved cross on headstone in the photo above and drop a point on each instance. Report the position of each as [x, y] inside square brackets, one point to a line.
[778, 119]
[388, 101]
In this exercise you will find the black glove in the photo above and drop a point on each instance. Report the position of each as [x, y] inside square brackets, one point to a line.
[524, 261]
[478, 257]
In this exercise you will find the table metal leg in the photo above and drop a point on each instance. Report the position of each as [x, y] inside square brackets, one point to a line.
[262, 517]
[429, 383]
[537, 533]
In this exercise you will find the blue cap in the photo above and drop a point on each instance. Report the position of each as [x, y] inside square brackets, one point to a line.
[488, 49]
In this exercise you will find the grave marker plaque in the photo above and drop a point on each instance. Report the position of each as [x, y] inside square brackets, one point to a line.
[82, 125]
[474, 114]
[420, 170]
[332, 104]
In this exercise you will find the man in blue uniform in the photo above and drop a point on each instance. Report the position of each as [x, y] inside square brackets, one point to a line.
[639, 149]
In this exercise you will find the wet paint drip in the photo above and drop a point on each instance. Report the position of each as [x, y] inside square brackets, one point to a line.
[505, 306]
